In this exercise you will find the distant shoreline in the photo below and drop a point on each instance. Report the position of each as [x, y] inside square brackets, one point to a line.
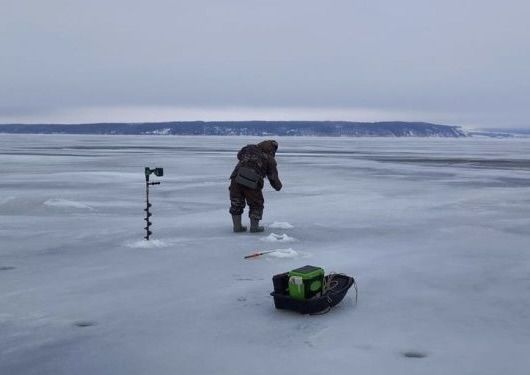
[248, 128]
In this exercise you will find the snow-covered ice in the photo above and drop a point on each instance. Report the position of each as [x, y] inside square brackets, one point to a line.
[436, 232]
[65, 203]
[274, 237]
[283, 253]
[144, 244]
[281, 225]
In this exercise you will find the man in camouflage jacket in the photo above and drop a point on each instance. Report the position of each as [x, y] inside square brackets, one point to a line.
[246, 182]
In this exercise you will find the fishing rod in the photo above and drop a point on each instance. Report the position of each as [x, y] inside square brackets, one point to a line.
[255, 255]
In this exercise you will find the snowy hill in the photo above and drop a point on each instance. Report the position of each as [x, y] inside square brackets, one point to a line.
[249, 128]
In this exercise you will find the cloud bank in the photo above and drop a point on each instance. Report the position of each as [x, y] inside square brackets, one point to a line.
[461, 62]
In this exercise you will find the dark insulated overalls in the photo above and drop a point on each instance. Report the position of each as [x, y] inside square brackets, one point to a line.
[261, 159]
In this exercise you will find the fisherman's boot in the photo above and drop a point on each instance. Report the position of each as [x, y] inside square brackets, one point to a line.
[236, 219]
[254, 226]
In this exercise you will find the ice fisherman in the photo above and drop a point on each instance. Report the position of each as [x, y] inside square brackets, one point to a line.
[246, 183]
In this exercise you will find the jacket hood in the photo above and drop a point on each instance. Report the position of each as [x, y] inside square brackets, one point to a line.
[269, 146]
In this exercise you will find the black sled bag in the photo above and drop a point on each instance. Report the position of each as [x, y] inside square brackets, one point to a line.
[248, 177]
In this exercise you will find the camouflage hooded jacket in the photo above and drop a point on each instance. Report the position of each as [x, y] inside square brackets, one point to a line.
[260, 157]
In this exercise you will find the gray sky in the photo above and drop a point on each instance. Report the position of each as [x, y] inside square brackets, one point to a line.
[458, 62]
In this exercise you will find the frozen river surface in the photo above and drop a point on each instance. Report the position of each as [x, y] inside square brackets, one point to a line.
[436, 232]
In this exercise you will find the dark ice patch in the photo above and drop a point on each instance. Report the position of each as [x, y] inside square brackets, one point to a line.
[414, 354]
[495, 182]
[507, 164]
[84, 323]
[7, 268]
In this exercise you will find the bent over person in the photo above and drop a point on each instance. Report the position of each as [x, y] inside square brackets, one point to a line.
[255, 163]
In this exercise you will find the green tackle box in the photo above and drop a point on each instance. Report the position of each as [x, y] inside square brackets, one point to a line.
[305, 282]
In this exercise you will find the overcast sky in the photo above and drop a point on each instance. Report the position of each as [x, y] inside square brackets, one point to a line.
[452, 61]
